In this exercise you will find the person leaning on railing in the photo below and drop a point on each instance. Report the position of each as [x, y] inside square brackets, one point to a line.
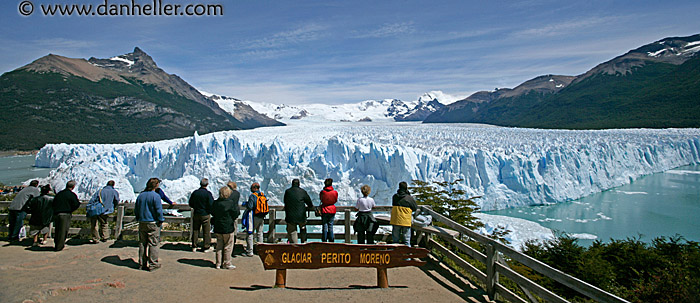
[365, 225]
[296, 200]
[403, 206]
[109, 198]
[328, 197]
[16, 215]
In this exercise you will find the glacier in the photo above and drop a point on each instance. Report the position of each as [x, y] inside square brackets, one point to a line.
[507, 167]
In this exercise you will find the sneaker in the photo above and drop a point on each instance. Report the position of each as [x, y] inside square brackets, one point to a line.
[248, 254]
[154, 267]
[210, 249]
[217, 267]
[229, 267]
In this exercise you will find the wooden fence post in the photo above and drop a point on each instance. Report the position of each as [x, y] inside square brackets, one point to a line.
[120, 223]
[382, 279]
[272, 224]
[192, 227]
[348, 235]
[491, 275]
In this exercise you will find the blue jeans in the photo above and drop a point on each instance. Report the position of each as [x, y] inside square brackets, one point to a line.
[398, 231]
[16, 218]
[327, 229]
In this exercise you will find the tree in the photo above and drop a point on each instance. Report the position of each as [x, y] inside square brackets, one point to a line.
[447, 200]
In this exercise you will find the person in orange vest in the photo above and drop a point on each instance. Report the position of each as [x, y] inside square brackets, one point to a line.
[256, 208]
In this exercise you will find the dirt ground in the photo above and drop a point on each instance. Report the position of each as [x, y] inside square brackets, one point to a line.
[108, 272]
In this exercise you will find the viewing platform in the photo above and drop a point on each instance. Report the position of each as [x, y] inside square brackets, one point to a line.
[105, 272]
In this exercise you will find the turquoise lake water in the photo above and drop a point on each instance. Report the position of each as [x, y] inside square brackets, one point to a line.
[663, 204]
[17, 169]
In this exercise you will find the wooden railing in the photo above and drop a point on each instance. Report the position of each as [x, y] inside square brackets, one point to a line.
[453, 233]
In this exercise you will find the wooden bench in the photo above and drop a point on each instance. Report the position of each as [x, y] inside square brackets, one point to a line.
[317, 255]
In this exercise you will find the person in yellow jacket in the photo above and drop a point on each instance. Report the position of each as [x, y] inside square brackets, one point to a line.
[403, 206]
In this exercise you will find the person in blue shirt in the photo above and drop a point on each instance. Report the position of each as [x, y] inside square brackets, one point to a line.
[149, 214]
[109, 197]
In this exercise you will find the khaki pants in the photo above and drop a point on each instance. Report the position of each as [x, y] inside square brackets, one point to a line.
[103, 227]
[203, 222]
[149, 240]
[224, 248]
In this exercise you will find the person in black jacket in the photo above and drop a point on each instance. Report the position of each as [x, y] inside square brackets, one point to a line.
[42, 214]
[224, 213]
[296, 200]
[64, 204]
[200, 202]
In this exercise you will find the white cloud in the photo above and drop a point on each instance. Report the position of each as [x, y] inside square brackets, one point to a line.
[567, 27]
[306, 33]
[388, 30]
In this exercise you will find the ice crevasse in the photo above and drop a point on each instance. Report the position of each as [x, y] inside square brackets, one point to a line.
[508, 167]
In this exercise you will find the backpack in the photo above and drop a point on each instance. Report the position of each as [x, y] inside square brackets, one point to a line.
[95, 207]
[261, 205]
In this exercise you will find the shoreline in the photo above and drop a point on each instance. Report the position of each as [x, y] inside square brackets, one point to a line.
[10, 153]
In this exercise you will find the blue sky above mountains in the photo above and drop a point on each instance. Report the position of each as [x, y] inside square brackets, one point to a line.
[348, 51]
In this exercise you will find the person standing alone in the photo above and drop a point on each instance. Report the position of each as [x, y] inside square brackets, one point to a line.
[201, 201]
[328, 198]
[149, 214]
[64, 204]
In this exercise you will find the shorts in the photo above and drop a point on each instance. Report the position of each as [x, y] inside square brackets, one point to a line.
[36, 229]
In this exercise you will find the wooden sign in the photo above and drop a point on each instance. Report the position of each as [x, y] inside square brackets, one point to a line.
[317, 255]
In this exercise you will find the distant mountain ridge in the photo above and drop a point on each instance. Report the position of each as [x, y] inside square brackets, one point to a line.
[126, 98]
[364, 111]
[656, 85]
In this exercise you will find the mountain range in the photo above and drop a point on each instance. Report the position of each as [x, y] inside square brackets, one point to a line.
[126, 98]
[385, 110]
[656, 86]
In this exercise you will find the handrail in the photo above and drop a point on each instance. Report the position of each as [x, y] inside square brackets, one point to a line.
[493, 268]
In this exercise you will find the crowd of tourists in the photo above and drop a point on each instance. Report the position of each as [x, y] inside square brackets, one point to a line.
[221, 213]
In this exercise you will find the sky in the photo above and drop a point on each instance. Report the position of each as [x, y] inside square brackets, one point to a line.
[297, 52]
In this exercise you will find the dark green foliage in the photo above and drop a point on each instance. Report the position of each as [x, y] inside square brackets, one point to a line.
[654, 95]
[447, 200]
[664, 271]
[41, 108]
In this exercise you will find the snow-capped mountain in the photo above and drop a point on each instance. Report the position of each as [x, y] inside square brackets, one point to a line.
[364, 111]
[124, 98]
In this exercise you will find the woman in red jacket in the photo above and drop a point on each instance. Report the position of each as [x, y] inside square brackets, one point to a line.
[328, 199]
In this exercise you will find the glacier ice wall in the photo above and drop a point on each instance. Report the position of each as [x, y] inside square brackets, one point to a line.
[506, 166]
